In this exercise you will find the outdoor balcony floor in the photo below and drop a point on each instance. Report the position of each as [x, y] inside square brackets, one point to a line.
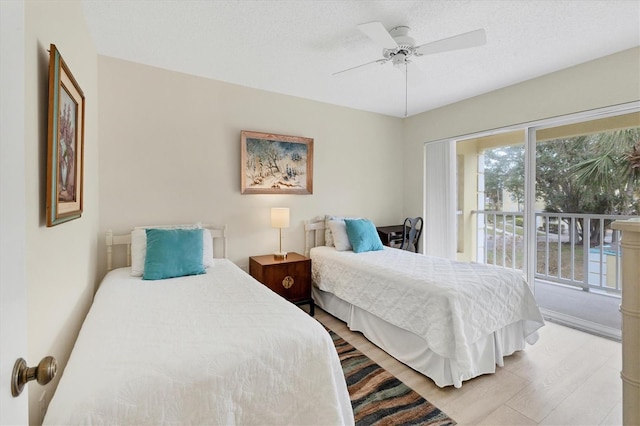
[588, 306]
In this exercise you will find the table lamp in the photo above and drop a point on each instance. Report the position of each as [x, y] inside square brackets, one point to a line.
[280, 219]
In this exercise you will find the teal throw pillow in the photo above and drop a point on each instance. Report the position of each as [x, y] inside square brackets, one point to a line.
[173, 253]
[363, 235]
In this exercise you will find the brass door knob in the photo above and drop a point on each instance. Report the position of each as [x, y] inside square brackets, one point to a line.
[43, 373]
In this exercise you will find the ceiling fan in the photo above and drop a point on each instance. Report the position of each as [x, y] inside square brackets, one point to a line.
[400, 49]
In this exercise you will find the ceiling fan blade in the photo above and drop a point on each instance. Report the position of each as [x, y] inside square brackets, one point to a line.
[378, 33]
[377, 61]
[460, 41]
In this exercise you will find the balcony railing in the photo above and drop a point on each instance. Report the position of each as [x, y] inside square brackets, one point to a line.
[579, 250]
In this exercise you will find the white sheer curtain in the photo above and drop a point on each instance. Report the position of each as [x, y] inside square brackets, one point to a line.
[439, 236]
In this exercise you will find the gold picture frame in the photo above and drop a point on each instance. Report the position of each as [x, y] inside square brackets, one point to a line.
[276, 164]
[65, 149]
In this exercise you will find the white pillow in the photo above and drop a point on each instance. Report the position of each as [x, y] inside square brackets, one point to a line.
[328, 237]
[138, 251]
[339, 232]
[207, 248]
[139, 247]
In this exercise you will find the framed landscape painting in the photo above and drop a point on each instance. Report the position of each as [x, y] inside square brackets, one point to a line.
[276, 164]
[65, 143]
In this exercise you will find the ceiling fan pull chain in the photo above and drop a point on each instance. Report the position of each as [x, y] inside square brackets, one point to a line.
[406, 91]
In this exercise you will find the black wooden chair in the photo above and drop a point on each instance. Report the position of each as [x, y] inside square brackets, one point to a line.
[411, 233]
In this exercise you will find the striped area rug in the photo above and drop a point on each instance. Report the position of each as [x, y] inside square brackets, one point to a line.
[379, 398]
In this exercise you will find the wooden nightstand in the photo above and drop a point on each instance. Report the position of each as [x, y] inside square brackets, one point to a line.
[290, 278]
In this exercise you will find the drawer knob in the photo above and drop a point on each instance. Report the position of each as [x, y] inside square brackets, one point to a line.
[287, 282]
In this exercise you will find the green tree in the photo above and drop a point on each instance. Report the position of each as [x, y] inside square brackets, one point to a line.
[598, 174]
[504, 169]
[610, 176]
[610, 172]
[556, 186]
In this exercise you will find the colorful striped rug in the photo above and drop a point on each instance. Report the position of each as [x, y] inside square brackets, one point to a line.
[379, 398]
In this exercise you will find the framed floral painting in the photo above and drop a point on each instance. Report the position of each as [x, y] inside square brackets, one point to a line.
[65, 165]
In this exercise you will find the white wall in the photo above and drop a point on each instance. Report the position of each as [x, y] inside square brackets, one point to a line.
[600, 83]
[170, 153]
[61, 261]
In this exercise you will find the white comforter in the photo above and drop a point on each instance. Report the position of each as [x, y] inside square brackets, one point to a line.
[217, 348]
[449, 304]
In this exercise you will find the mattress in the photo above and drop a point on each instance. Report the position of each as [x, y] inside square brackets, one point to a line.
[217, 348]
[458, 311]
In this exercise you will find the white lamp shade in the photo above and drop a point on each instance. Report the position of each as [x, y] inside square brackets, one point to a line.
[280, 217]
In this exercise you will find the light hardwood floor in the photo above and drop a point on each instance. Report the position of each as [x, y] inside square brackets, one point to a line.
[567, 378]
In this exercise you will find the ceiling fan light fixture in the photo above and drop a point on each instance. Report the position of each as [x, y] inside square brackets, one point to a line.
[399, 59]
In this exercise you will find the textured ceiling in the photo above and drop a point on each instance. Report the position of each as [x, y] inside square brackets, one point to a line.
[293, 46]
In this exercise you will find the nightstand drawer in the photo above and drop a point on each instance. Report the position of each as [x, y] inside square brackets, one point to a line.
[290, 278]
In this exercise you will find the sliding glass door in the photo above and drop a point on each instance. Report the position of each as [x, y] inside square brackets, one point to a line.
[541, 199]
[585, 180]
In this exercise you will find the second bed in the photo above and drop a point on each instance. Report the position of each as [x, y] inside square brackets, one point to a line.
[451, 321]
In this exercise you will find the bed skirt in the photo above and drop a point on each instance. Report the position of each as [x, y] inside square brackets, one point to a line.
[413, 350]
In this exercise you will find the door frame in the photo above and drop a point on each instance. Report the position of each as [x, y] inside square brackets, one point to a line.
[13, 235]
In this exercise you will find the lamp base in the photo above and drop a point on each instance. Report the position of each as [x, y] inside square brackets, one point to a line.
[280, 255]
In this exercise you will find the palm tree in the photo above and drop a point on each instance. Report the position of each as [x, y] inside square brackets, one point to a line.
[613, 168]
[634, 161]
[612, 174]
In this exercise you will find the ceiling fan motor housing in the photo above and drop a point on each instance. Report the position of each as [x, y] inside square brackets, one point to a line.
[401, 35]
[406, 46]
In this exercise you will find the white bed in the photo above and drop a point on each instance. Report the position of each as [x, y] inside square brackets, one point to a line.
[213, 348]
[451, 321]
